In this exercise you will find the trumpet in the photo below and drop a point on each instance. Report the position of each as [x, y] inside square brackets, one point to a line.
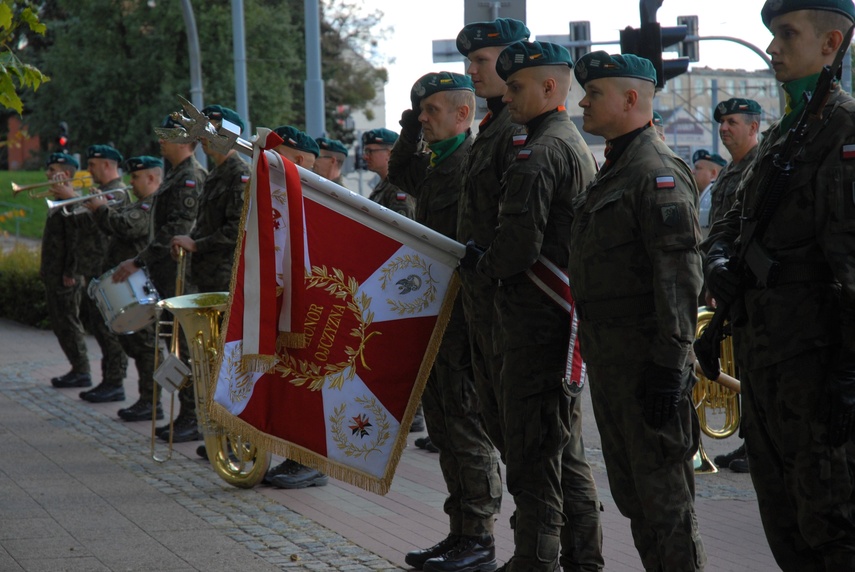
[114, 197]
[79, 182]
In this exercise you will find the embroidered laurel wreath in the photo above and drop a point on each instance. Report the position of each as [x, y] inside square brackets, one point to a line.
[361, 427]
[300, 371]
[429, 283]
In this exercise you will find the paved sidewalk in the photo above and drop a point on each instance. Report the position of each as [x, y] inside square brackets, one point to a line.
[79, 491]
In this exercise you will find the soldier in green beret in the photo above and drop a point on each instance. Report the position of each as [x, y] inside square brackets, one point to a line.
[492, 152]
[706, 168]
[213, 239]
[635, 273]
[557, 508]
[443, 108]
[332, 156]
[58, 271]
[739, 127]
[376, 150]
[174, 209]
[297, 146]
[794, 332]
[103, 165]
[127, 228]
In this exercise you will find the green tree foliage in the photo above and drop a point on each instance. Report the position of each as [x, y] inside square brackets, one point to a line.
[117, 65]
[15, 75]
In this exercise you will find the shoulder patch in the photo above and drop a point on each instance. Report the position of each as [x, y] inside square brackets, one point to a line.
[190, 183]
[847, 152]
[665, 182]
[523, 154]
[670, 215]
[401, 196]
[145, 206]
[519, 139]
[189, 202]
[244, 178]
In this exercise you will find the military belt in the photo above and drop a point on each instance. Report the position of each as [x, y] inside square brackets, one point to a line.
[616, 307]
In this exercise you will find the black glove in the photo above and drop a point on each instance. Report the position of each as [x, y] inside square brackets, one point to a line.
[661, 394]
[472, 256]
[411, 127]
[722, 282]
[839, 406]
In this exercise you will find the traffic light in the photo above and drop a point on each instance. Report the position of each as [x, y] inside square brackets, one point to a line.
[62, 139]
[580, 32]
[649, 41]
[690, 49]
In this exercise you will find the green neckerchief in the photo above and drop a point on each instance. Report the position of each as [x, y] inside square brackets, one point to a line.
[795, 90]
[441, 150]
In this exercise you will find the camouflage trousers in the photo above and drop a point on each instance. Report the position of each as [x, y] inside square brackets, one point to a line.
[557, 509]
[114, 362]
[805, 488]
[140, 347]
[650, 471]
[469, 464]
[63, 305]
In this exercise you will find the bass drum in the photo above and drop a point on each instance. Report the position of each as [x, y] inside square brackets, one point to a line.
[128, 306]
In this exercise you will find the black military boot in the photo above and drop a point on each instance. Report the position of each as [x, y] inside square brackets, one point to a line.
[72, 379]
[103, 393]
[417, 558]
[470, 554]
[140, 411]
[184, 428]
[726, 460]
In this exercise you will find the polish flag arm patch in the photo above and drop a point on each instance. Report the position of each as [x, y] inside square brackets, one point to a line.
[665, 182]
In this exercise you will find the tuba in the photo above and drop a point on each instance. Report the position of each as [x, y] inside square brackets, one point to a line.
[716, 396]
[234, 458]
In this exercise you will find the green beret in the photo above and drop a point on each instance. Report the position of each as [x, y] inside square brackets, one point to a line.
[218, 113]
[657, 119]
[521, 55]
[296, 139]
[499, 32]
[380, 136]
[704, 155]
[62, 159]
[774, 8]
[599, 64]
[736, 105]
[143, 162]
[331, 145]
[104, 152]
[432, 83]
[170, 123]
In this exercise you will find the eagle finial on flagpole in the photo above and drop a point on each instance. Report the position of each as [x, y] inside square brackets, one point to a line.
[195, 127]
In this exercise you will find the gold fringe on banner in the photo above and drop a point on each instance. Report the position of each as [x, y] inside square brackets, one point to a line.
[335, 469]
[293, 340]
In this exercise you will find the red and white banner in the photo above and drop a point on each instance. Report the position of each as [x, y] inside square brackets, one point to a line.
[364, 299]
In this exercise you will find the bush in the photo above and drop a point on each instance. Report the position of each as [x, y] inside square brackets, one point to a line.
[22, 293]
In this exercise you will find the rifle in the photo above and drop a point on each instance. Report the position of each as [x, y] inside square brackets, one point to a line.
[751, 256]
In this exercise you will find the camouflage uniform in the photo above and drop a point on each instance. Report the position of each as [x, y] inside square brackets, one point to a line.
[724, 188]
[478, 213]
[59, 258]
[91, 248]
[393, 198]
[173, 213]
[469, 464]
[216, 230]
[127, 226]
[552, 484]
[635, 274]
[788, 338]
